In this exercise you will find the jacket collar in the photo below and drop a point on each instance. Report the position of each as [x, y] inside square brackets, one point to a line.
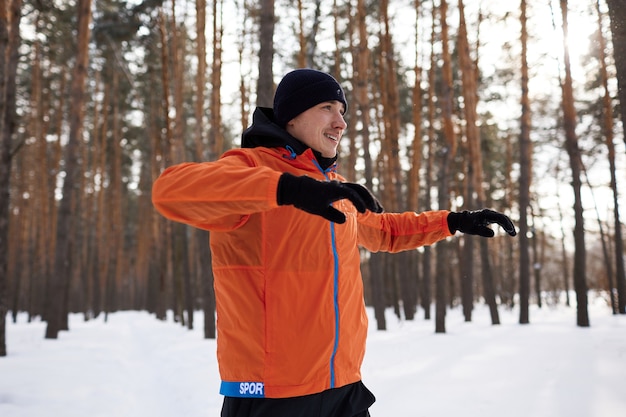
[264, 132]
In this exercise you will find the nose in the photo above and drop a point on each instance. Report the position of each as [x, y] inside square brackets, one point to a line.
[339, 122]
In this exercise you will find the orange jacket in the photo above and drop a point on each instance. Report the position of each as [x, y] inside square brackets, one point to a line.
[288, 288]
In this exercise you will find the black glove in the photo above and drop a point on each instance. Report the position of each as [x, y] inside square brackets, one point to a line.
[315, 196]
[476, 222]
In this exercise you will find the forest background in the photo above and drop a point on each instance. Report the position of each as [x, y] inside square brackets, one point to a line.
[452, 105]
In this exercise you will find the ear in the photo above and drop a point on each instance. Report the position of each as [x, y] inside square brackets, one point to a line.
[289, 127]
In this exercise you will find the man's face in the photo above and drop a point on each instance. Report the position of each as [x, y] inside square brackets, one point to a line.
[320, 127]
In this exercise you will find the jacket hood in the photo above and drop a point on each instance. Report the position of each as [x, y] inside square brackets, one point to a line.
[265, 132]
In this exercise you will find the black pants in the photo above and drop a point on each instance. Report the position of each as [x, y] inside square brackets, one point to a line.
[350, 401]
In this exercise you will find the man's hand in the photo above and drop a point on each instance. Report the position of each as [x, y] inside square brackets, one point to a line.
[316, 197]
[477, 222]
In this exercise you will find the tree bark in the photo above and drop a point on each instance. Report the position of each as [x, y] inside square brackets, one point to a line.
[416, 150]
[265, 84]
[507, 290]
[571, 145]
[352, 115]
[200, 78]
[163, 248]
[406, 277]
[427, 276]
[524, 180]
[617, 13]
[103, 253]
[362, 80]
[619, 39]
[610, 276]
[448, 151]
[564, 258]
[182, 283]
[202, 255]
[63, 252]
[9, 43]
[377, 265]
[44, 198]
[216, 137]
[301, 37]
[535, 262]
[362, 107]
[473, 183]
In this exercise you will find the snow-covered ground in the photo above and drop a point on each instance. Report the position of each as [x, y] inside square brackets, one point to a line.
[137, 366]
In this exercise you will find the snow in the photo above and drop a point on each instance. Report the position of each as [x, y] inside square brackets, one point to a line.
[137, 366]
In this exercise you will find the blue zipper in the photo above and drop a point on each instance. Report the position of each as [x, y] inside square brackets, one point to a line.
[335, 287]
[292, 154]
[336, 302]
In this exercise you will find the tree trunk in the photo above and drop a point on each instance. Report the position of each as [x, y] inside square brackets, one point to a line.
[467, 256]
[416, 153]
[362, 80]
[65, 232]
[200, 78]
[470, 98]
[535, 263]
[564, 258]
[202, 253]
[265, 85]
[307, 43]
[391, 107]
[617, 13]
[489, 291]
[610, 277]
[244, 84]
[427, 277]
[571, 145]
[103, 253]
[416, 150]
[206, 278]
[145, 232]
[338, 34]
[163, 248]
[216, 137]
[180, 261]
[301, 37]
[406, 278]
[507, 290]
[9, 43]
[165, 146]
[524, 180]
[472, 182]
[44, 199]
[362, 107]
[607, 127]
[349, 160]
[378, 289]
[115, 218]
[447, 154]
[91, 211]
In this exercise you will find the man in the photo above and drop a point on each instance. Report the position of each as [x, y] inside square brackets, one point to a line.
[285, 235]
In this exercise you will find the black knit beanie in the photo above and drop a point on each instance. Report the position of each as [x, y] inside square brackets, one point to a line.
[302, 89]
